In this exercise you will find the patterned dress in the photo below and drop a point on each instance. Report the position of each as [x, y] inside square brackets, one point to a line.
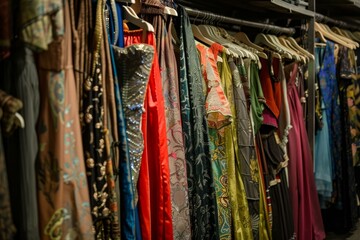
[62, 185]
[153, 172]
[218, 114]
[202, 198]
[153, 12]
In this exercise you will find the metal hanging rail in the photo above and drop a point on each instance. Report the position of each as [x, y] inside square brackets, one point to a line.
[219, 18]
[324, 19]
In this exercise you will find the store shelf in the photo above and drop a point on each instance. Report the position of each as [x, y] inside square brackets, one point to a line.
[339, 8]
[251, 9]
[282, 7]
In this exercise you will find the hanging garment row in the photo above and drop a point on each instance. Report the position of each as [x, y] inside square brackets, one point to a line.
[336, 167]
[157, 128]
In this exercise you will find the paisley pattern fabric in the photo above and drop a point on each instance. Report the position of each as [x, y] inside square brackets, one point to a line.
[169, 74]
[202, 198]
[218, 116]
[62, 185]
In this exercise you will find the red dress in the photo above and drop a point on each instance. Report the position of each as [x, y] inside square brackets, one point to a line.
[306, 209]
[154, 180]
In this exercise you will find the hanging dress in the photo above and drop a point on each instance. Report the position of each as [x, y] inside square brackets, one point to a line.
[323, 166]
[346, 209]
[306, 209]
[219, 116]
[202, 198]
[20, 78]
[153, 12]
[261, 212]
[62, 184]
[152, 173]
[120, 140]
[275, 159]
[240, 168]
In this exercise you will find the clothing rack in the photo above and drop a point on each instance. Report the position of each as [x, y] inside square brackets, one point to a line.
[219, 18]
[324, 19]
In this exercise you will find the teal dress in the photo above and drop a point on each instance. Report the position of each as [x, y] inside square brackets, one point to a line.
[202, 199]
[323, 158]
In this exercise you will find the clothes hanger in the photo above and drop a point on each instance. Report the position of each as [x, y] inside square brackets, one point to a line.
[275, 39]
[253, 53]
[357, 33]
[170, 11]
[290, 45]
[198, 35]
[207, 32]
[331, 36]
[352, 35]
[344, 39]
[246, 47]
[242, 37]
[295, 52]
[216, 33]
[293, 42]
[283, 49]
[262, 40]
[131, 16]
[222, 33]
[344, 35]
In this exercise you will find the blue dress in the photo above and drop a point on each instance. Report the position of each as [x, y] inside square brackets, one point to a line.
[323, 158]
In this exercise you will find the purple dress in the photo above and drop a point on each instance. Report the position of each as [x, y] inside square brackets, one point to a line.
[306, 209]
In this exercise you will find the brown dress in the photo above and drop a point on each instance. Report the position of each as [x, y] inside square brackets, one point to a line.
[63, 196]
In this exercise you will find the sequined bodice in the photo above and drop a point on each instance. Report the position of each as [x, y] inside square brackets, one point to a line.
[134, 65]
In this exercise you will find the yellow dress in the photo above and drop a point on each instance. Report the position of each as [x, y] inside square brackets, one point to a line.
[241, 220]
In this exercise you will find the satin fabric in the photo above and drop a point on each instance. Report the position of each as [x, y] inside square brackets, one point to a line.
[306, 209]
[170, 81]
[154, 178]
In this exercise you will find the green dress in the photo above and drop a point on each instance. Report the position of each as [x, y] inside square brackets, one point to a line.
[242, 227]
